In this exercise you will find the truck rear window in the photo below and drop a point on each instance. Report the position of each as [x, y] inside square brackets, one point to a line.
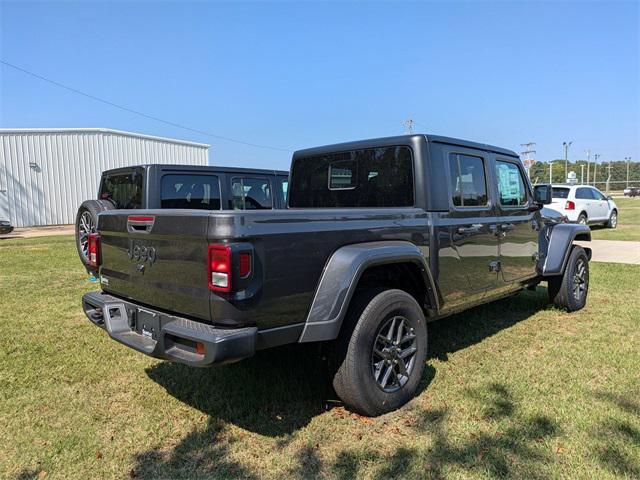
[124, 190]
[373, 177]
[199, 192]
[559, 192]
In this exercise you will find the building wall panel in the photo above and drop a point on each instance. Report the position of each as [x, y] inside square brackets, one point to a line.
[45, 174]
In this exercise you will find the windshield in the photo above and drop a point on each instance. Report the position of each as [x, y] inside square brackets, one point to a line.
[124, 190]
[557, 192]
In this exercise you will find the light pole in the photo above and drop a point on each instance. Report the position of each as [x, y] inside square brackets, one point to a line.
[550, 172]
[566, 146]
[628, 159]
[582, 174]
[588, 161]
[595, 167]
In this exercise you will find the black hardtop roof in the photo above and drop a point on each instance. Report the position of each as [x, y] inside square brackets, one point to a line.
[401, 140]
[205, 168]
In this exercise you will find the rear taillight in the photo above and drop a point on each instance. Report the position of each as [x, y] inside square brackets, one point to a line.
[569, 205]
[228, 268]
[93, 250]
[219, 266]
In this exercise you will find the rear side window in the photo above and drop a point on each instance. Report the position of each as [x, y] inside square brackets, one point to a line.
[510, 184]
[558, 192]
[584, 194]
[200, 192]
[251, 194]
[123, 190]
[468, 183]
[372, 177]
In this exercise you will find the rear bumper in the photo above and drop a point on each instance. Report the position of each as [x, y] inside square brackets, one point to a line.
[165, 336]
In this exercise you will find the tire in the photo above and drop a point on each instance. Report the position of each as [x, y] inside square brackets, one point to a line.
[365, 352]
[86, 221]
[613, 220]
[582, 219]
[569, 291]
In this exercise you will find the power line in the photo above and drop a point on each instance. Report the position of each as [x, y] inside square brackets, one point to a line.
[136, 112]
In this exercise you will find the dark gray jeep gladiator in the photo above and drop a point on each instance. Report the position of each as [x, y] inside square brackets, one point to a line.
[379, 237]
[180, 186]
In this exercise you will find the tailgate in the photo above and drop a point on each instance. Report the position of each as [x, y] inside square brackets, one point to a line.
[157, 257]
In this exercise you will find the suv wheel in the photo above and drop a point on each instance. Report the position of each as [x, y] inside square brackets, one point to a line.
[613, 220]
[569, 291]
[381, 352]
[582, 218]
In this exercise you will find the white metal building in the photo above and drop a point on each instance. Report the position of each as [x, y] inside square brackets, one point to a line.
[46, 173]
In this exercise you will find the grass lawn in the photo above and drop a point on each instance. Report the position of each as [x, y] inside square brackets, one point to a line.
[628, 222]
[512, 389]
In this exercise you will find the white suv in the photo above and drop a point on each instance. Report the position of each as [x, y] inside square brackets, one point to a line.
[584, 204]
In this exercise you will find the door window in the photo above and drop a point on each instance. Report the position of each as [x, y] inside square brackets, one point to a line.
[284, 188]
[251, 194]
[511, 187]
[468, 182]
[598, 195]
[200, 192]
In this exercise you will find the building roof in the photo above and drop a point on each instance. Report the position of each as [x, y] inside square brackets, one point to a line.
[102, 130]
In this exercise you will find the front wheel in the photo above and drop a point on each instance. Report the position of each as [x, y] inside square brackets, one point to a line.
[569, 291]
[381, 352]
[613, 220]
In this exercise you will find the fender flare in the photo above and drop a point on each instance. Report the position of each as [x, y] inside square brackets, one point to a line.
[340, 278]
[559, 245]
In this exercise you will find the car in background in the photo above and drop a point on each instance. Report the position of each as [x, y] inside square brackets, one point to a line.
[584, 204]
[5, 227]
[632, 192]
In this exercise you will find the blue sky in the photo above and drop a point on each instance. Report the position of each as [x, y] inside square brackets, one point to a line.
[295, 75]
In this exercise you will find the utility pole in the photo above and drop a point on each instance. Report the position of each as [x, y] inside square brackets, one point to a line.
[566, 146]
[528, 159]
[595, 167]
[608, 176]
[550, 172]
[408, 126]
[628, 160]
[588, 160]
[581, 174]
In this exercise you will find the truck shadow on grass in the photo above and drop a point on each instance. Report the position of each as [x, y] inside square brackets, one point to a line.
[278, 392]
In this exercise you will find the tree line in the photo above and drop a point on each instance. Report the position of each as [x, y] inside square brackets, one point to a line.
[539, 173]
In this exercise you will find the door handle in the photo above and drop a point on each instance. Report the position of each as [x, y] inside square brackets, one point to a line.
[475, 228]
[505, 227]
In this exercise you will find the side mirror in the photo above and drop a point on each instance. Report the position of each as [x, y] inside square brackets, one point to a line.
[542, 194]
[609, 197]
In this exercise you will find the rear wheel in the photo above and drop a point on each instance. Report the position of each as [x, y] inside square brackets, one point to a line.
[582, 218]
[569, 291]
[381, 352]
[613, 220]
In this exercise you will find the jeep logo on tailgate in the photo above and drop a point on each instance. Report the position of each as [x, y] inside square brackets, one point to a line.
[141, 253]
